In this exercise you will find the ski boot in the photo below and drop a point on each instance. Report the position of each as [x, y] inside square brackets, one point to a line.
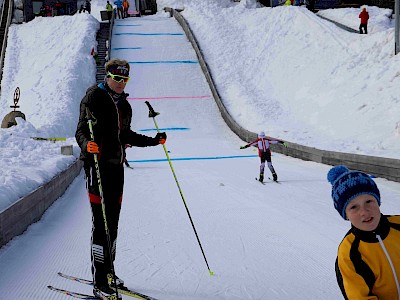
[120, 282]
[274, 176]
[104, 292]
[261, 179]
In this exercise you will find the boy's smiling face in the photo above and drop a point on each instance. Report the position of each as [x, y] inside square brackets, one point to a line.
[364, 212]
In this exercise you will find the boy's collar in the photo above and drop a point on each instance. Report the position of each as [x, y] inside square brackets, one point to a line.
[370, 236]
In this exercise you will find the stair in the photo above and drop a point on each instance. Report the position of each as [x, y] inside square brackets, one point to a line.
[5, 22]
[102, 37]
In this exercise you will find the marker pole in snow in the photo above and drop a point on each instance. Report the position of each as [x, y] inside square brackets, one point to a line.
[90, 117]
[153, 114]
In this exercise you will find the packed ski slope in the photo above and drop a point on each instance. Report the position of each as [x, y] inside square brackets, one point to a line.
[273, 241]
[293, 92]
[240, 222]
[302, 78]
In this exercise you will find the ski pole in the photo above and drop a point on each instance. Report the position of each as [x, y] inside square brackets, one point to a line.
[153, 114]
[89, 117]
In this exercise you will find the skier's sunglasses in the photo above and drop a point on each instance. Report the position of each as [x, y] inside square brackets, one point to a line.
[118, 78]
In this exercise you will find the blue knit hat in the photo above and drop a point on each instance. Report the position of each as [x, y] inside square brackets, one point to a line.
[347, 185]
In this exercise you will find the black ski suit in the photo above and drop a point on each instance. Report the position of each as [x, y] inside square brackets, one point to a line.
[112, 116]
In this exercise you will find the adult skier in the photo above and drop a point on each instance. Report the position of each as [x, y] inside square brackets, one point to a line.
[110, 115]
[264, 152]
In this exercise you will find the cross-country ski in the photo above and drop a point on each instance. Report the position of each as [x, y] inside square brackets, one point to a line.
[121, 289]
[262, 182]
[276, 181]
[73, 294]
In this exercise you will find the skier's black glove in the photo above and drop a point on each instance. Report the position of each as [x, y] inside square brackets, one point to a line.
[161, 137]
[283, 143]
[244, 147]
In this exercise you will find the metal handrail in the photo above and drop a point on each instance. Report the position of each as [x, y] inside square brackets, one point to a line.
[110, 36]
[9, 13]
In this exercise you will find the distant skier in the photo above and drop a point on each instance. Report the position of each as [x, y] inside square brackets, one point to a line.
[364, 16]
[264, 152]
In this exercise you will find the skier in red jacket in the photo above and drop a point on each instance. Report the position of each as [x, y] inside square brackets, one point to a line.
[364, 16]
[262, 143]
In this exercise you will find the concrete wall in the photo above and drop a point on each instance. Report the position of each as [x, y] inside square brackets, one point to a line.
[379, 166]
[15, 219]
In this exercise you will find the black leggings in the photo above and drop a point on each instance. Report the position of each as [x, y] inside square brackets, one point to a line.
[363, 26]
[112, 181]
[266, 156]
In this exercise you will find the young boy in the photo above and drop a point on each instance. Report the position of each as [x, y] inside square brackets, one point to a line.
[262, 143]
[368, 260]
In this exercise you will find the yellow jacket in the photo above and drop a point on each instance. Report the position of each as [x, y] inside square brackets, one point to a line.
[368, 263]
[109, 7]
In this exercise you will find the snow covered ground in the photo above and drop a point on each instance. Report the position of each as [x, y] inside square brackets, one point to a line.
[285, 71]
[329, 89]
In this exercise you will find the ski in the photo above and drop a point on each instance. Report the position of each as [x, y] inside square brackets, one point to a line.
[276, 181]
[81, 280]
[122, 290]
[262, 182]
[72, 294]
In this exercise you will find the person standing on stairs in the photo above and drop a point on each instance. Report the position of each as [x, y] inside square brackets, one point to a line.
[109, 9]
[120, 10]
[125, 5]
